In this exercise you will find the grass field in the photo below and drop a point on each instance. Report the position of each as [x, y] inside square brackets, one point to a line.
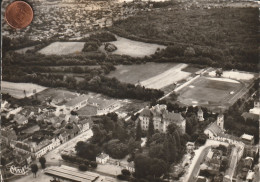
[62, 48]
[166, 78]
[17, 89]
[209, 91]
[135, 48]
[151, 75]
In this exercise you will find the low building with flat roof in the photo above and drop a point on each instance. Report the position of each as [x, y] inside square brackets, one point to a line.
[72, 174]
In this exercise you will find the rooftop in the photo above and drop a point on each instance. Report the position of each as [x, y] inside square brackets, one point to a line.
[247, 137]
[102, 156]
[214, 128]
[101, 103]
[76, 100]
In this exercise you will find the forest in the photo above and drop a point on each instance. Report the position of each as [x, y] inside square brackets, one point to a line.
[219, 37]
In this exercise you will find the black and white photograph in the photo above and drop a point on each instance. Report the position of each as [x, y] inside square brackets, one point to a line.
[130, 91]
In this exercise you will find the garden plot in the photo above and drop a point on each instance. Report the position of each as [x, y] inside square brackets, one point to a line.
[63, 48]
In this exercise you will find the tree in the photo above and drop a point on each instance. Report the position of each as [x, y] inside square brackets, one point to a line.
[150, 131]
[158, 167]
[83, 167]
[34, 169]
[172, 148]
[99, 135]
[116, 149]
[138, 134]
[87, 150]
[177, 139]
[125, 172]
[93, 164]
[42, 160]
[219, 72]
[146, 166]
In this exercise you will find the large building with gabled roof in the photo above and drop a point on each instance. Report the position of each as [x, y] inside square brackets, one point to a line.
[161, 118]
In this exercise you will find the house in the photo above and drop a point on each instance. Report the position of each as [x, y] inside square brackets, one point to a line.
[76, 103]
[61, 97]
[104, 106]
[85, 124]
[64, 136]
[256, 109]
[20, 119]
[102, 158]
[44, 146]
[22, 147]
[247, 139]
[161, 118]
[131, 167]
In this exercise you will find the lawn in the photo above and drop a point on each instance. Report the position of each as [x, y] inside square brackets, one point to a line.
[210, 91]
[151, 75]
[17, 89]
[63, 48]
[135, 48]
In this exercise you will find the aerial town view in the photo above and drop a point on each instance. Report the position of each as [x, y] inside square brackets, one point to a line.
[131, 90]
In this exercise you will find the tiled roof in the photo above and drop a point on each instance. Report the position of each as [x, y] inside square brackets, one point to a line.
[88, 111]
[177, 117]
[102, 156]
[214, 128]
[146, 112]
[77, 100]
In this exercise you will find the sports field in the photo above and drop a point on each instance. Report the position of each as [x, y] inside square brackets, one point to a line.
[17, 89]
[62, 48]
[151, 75]
[210, 91]
[134, 48]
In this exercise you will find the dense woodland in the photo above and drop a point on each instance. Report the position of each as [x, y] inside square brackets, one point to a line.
[220, 37]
